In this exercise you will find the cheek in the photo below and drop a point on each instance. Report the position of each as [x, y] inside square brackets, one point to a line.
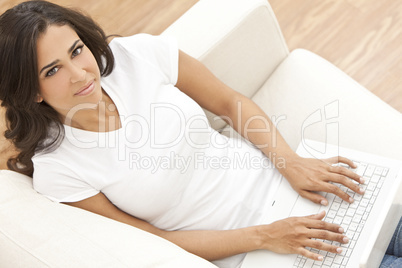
[55, 88]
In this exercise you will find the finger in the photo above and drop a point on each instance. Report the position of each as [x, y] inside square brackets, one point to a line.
[316, 198]
[332, 160]
[340, 159]
[347, 161]
[331, 188]
[317, 244]
[319, 224]
[348, 183]
[311, 255]
[319, 216]
[328, 235]
[346, 172]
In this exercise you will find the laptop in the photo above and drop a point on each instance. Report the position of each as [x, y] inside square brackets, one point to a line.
[369, 222]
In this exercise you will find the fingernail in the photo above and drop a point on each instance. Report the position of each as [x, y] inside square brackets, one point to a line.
[320, 213]
[341, 230]
[345, 239]
[362, 181]
[339, 250]
[351, 200]
[361, 191]
[320, 258]
[324, 202]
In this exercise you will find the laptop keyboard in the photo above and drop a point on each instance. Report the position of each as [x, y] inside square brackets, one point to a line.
[351, 217]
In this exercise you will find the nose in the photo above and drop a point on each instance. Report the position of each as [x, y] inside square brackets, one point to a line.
[78, 74]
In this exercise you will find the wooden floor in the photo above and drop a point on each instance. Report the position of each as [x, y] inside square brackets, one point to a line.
[361, 37]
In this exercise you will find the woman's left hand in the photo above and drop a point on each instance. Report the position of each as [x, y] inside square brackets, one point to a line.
[308, 176]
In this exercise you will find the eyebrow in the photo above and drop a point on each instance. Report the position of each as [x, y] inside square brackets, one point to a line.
[56, 61]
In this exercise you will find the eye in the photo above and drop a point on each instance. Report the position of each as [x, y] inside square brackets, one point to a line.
[77, 51]
[52, 71]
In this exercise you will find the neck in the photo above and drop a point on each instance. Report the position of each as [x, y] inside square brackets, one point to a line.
[100, 117]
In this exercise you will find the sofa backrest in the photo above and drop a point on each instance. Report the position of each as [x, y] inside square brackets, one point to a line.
[242, 50]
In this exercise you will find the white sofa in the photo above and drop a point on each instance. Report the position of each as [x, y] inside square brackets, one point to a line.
[240, 41]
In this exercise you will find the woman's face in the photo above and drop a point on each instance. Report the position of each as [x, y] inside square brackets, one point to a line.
[68, 72]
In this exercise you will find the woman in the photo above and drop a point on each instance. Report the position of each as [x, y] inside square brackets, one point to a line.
[119, 130]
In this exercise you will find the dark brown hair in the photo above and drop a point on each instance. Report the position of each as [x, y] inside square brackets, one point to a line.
[33, 126]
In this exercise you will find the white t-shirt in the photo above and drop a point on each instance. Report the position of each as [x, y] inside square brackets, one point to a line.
[166, 165]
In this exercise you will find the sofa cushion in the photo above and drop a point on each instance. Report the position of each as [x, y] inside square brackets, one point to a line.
[36, 232]
[309, 97]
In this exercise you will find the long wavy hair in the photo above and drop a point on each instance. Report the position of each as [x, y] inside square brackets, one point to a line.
[36, 127]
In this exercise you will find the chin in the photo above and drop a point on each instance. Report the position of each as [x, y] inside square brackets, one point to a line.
[97, 95]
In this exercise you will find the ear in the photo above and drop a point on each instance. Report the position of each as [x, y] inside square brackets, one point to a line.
[39, 98]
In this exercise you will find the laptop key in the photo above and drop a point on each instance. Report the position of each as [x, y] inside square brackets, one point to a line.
[338, 259]
[376, 191]
[364, 202]
[328, 261]
[369, 171]
[378, 171]
[350, 212]
[380, 182]
[350, 234]
[331, 255]
[357, 219]
[371, 186]
[360, 211]
[353, 226]
[331, 214]
[361, 168]
[360, 227]
[345, 204]
[309, 263]
[375, 179]
[347, 220]
[338, 220]
[348, 253]
[341, 212]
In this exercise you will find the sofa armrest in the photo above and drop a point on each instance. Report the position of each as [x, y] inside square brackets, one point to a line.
[318, 101]
[36, 232]
[238, 40]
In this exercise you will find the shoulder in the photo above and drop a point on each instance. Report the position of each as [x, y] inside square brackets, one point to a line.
[46, 163]
[141, 40]
[143, 45]
[142, 52]
[59, 182]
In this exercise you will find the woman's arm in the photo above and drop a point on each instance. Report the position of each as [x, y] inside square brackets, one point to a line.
[287, 236]
[210, 245]
[305, 175]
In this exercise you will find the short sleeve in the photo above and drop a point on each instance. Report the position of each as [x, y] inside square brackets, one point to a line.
[60, 184]
[159, 51]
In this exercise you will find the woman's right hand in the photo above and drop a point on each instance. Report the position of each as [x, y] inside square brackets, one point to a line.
[293, 235]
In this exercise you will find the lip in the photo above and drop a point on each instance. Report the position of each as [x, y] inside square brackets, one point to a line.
[88, 88]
